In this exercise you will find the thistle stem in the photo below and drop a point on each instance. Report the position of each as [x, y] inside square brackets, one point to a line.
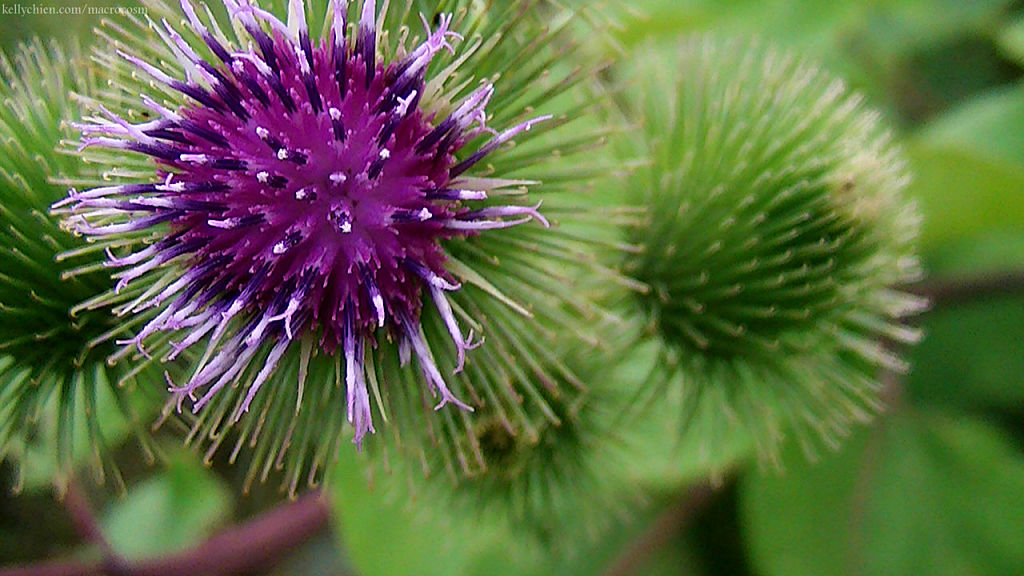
[945, 292]
[635, 555]
[84, 519]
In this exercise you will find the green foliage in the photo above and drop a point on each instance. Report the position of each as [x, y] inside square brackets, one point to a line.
[1011, 39]
[971, 357]
[964, 194]
[660, 458]
[920, 494]
[904, 25]
[428, 542]
[981, 126]
[150, 519]
[426, 535]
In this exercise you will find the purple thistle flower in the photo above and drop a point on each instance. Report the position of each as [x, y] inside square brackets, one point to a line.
[302, 192]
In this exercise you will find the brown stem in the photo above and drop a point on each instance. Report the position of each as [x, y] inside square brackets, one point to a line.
[892, 397]
[257, 544]
[633, 557]
[83, 517]
[948, 291]
[253, 546]
[65, 568]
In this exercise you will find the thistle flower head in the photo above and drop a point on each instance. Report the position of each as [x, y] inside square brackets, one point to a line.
[776, 238]
[305, 196]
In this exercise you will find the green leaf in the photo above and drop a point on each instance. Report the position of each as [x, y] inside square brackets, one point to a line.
[875, 45]
[795, 521]
[920, 23]
[963, 193]
[808, 23]
[919, 494]
[388, 526]
[660, 459]
[168, 512]
[987, 252]
[667, 19]
[971, 356]
[385, 531]
[1011, 40]
[989, 125]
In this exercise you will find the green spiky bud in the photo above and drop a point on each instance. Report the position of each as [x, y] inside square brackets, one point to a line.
[53, 377]
[776, 238]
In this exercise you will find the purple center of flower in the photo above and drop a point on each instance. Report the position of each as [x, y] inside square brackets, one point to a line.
[338, 198]
[304, 191]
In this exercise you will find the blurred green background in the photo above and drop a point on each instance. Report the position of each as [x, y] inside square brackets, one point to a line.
[935, 486]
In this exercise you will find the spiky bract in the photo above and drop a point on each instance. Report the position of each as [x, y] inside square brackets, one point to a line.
[53, 377]
[776, 239]
[306, 193]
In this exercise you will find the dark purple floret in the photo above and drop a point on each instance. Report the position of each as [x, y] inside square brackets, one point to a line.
[302, 191]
